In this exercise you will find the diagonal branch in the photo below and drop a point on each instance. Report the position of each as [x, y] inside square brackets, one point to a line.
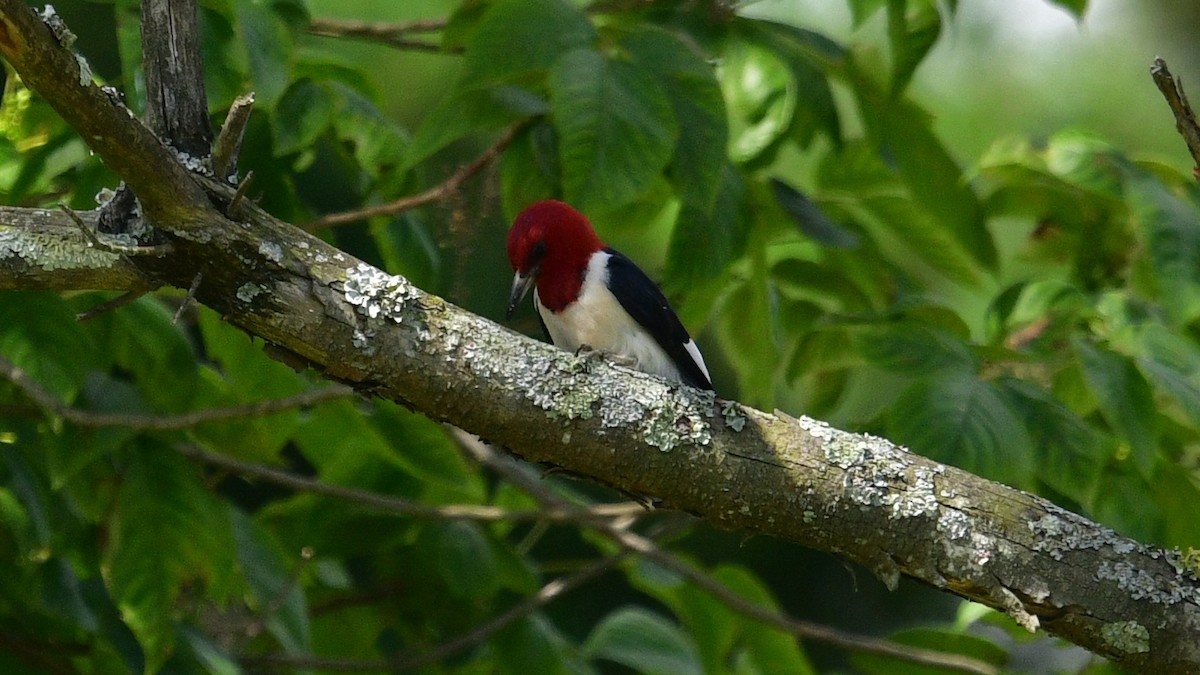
[392, 34]
[1185, 117]
[436, 193]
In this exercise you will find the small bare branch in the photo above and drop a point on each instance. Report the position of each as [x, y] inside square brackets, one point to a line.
[392, 34]
[435, 193]
[228, 145]
[1185, 117]
[85, 418]
[188, 299]
[111, 246]
[405, 507]
[105, 307]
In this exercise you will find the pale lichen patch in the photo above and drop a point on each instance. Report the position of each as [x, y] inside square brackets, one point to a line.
[1058, 532]
[51, 252]
[271, 251]
[248, 291]
[1127, 637]
[376, 293]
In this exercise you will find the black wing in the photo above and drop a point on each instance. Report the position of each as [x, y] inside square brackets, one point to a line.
[642, 299]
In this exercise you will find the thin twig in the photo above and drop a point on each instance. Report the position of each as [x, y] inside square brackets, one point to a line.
[398, 505]
[105, 307]
[276, 602]
[632, 541]
[435, 193]
[1185, 117]
[109, 246]
[86, 418]
[392, 34]
[239, 194]
[229, 141]
[447, 649]
[187, 299]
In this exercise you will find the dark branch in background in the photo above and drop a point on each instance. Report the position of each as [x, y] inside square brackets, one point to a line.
[404, 507]
[85, 418]
[447, 649]
[1185, 117]
[633, 542]
[438, 192]
[176, 106]
[392, 34]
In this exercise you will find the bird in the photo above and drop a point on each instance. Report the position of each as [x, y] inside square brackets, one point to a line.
[590, 296]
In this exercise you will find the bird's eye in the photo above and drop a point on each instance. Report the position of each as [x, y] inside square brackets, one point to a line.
[538, 252]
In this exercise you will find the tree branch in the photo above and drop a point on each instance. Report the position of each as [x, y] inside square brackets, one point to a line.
[433, 194]
[858, 496]
[392, 34]
[176, 106]
[1185, 117]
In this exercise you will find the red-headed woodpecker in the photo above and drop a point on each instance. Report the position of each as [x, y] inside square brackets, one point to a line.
[589, 294]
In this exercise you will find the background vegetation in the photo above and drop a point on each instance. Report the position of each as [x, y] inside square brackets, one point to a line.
[886, 215]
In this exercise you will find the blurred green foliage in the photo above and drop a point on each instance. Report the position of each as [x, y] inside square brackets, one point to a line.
[1032, 318]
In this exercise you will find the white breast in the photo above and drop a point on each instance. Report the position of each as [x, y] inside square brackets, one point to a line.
[597, 319]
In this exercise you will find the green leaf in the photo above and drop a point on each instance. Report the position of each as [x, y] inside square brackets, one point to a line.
[615, 125]
[302, 115]
[695, 98]
[379, 142]
[1071, 454]
[954, 417]
[1125, 400]
[771, 650]
[861, 10]
[29, 323]
[856, 186]
[1076, 7]
[518, 37]
[760, 98]
[704, 245]
[810, 219]
[747, 310]
[913, 29]
[1171, 363]
[143, 339]
[268, 45]
[645, 642]
[915, 349]
[470, 112]
[1172, 238]
[168, 530]
[428, 453]
[533, 645]
[904, 135]
[829, 288]
[272, 583]
[465, 560]
[529, 169]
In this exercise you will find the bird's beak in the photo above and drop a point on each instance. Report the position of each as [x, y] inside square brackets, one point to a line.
[520, 286]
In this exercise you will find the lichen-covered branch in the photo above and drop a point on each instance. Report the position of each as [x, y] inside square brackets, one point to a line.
[857, 496]
[41, 248]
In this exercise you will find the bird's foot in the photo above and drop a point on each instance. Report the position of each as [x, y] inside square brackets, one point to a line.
[591, 354]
